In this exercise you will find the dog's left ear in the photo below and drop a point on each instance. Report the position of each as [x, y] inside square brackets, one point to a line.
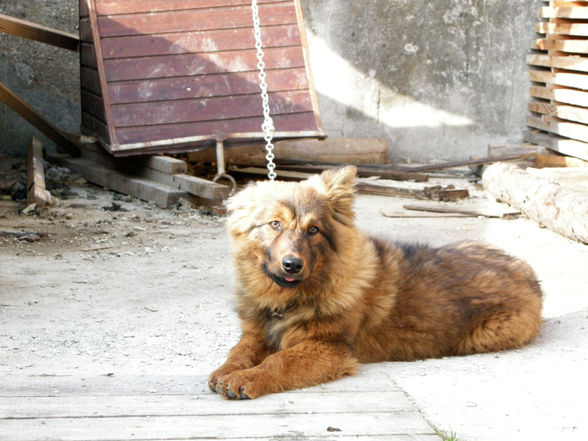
[337, 186]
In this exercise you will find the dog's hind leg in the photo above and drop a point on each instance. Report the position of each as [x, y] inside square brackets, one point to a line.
[503, 330]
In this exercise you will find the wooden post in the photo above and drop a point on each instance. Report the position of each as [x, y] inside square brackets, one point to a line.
[36, 192]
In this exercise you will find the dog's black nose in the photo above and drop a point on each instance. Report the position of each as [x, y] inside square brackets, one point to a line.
[292, 265]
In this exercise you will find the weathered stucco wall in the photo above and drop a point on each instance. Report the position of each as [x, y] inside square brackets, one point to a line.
[440, 80]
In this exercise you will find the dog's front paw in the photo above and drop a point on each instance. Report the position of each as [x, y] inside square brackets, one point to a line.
[241, 385]
[214, 382]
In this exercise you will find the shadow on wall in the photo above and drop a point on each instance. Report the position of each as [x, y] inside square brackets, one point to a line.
[416, 71]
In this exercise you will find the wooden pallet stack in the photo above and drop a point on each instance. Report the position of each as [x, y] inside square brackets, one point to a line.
[558, 68]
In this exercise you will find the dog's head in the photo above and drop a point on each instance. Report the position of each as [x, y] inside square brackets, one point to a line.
[285, 232]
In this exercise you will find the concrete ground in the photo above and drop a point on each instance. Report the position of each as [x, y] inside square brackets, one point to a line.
[148, 291]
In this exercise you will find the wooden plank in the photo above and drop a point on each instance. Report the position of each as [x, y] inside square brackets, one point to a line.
[207, 404]
[216, 108]
[194, 20]
[570, 147]
[445, 209]
[36, 192]
[203, 86]
[570, 113]
[162, 195]
[563, 12]
[557, 160]
[200, 187]
[562, 45]
[201, 64]
[575, 131]
[217, 426]
[572, 62]
[116, 7]
[436, 193]
[33, 31]
[352, 150]
[567, 79]
[215, 40]
[90, 80]
[288, 125]
[64, 140]
[306, 55]
[561, 95]
[579, 29]
[111, 137]
[334, 150]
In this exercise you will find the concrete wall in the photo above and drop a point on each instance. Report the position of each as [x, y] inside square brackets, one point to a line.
[440, 80]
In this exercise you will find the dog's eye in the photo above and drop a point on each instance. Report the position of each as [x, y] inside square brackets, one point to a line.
[312, 230]
[276, 225]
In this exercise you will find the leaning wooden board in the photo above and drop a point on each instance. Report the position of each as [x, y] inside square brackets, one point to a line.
[163, 76]
[559, 72]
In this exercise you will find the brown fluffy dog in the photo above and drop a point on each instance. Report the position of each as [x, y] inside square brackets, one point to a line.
[316, 296]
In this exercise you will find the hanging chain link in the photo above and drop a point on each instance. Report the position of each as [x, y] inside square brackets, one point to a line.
[268, 123]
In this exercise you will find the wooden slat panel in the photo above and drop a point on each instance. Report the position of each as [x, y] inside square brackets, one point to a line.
[570, 113]
[202, 41]
[114, 7]
[284, 123]
[568, 96]
[192, 64]
[205, 86]
[194, 20]
[570, 62]
[575, 80]
[126, 115]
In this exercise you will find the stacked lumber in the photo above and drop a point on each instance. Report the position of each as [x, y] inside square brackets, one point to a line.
[559, 72]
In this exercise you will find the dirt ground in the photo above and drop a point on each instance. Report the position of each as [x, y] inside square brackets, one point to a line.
[88, 291]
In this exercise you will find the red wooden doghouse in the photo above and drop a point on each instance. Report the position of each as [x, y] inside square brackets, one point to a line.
[176, 75]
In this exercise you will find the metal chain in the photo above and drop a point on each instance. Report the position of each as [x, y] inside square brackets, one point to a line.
[268, 123]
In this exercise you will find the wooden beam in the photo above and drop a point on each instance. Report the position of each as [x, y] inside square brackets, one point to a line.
[572, 62]
[569, 12]
[570, 147]
[575, 131]
[147, 190]
[33, 31]
[340, 150]
[570, 113]
[579, 29]
[36, 192]
[562, 45]
[567, 79]
[64, 140]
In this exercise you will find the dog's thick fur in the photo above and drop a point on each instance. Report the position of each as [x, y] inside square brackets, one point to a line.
[316, 296]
